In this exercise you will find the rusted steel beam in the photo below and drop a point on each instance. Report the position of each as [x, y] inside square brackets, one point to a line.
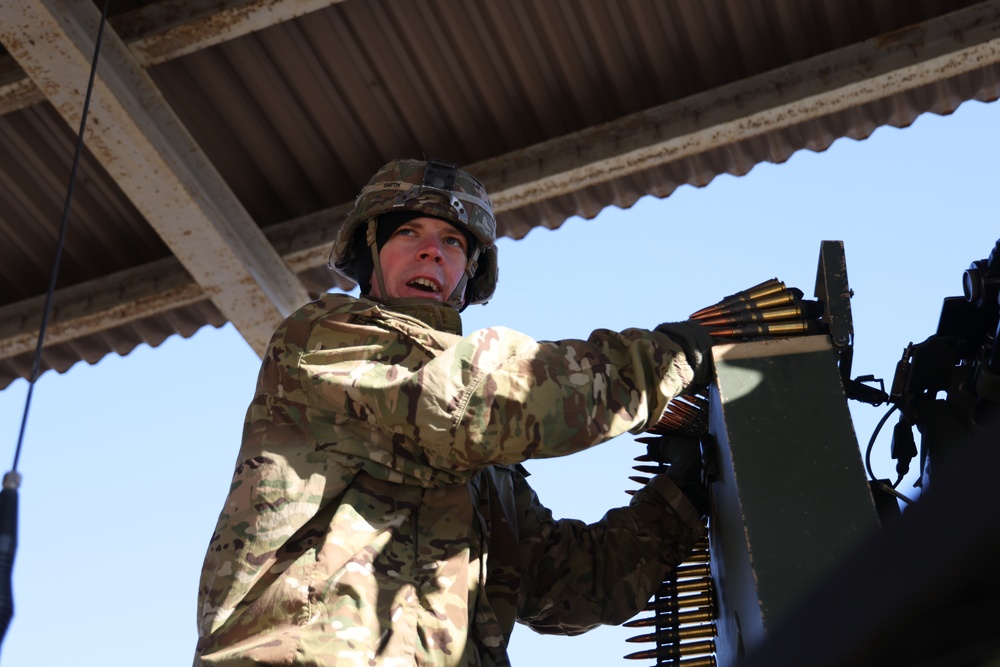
[144, 147]
[152, 289]
[960, 42]
[944, 47]
[162, 31]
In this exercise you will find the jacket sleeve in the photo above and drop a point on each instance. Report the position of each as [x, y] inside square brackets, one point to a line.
[498, 397]
[577, 576]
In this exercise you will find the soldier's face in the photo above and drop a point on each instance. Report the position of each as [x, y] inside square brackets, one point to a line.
[424, 258]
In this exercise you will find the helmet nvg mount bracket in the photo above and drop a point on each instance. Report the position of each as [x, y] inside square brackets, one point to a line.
[437, 189]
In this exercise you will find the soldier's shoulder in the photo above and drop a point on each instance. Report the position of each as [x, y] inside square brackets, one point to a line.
[336, 304]
[315, 317]
[330, 307]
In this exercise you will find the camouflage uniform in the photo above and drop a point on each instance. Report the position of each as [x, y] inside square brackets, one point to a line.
[378, 514]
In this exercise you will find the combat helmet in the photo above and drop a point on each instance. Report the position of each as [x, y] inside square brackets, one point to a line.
[434, 188]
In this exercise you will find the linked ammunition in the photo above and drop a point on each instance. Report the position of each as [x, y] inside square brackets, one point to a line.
[687, 586]
[664, 428]
[670, 605]
[670, 418]
[682, 611]
[776, 329]
[698, 400]
[675, 651]
[700, 661]
[674, 634]
[776, 300]
[695, 557]
[693, 407]
[693, 570]
[805, 310]
[685, 418]
[679, 420]
[767, 287]
[682, 420]
[682, 618]
[682, 405]
[676, 428]
[672, 651]
[698, 599]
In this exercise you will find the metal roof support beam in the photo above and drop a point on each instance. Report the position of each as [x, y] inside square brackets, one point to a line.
[162, 31]
[89, 308]
[154, 160]
[954, 44]
[961, 42]
[152, 289]
[165, 30]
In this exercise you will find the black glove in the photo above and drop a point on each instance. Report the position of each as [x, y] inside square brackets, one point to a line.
[697, 343]
[683, 453]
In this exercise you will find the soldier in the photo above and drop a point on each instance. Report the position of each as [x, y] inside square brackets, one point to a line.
[379, 514]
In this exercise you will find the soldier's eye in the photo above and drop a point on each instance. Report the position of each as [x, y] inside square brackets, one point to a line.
[458, 242]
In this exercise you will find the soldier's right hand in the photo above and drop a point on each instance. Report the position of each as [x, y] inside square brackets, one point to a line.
[686, 468]
[697, 343]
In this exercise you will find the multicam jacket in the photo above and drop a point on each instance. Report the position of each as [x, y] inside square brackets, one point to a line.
[378, 514]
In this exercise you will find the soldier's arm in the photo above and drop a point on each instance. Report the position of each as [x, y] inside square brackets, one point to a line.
[576, 576]
[547, 399]
[497, 396]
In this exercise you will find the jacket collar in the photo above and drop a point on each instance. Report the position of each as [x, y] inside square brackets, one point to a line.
[438, 316]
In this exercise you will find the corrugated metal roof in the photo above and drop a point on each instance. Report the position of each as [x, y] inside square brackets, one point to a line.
[542, 99]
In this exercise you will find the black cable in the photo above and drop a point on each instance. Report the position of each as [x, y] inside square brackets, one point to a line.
[891, 490]
[871, 443]
[12, 480]
[63, 225]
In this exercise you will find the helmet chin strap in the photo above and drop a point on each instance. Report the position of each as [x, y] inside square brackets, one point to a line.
[457, 298]
[370, 238]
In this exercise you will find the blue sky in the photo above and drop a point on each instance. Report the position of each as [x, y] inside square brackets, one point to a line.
[126, 463]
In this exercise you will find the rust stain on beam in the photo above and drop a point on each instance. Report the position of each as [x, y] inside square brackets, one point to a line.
[155, 288]
[97, 305]
[957, 43]
[157, 164]
[17, 91]
[163, 31]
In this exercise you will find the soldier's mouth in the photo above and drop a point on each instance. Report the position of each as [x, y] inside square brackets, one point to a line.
[424, 285]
